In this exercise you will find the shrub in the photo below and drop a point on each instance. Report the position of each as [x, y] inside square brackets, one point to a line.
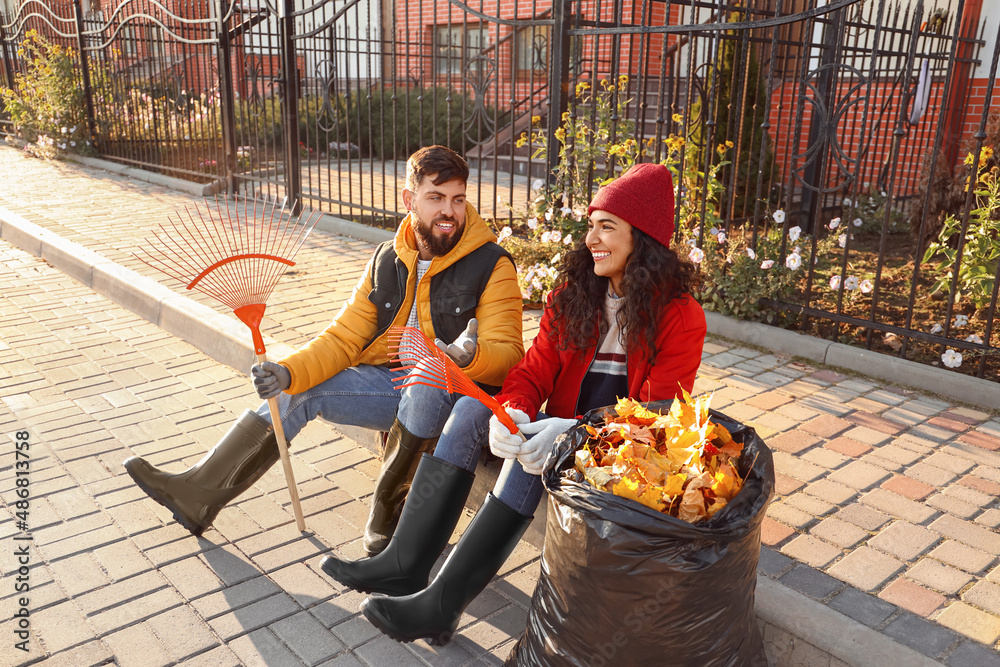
[47, 107]
[980, 242]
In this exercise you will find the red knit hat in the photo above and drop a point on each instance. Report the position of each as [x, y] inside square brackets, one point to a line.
[643, 197]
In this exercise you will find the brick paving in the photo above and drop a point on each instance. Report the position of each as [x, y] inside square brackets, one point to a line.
[113, 578]
[886, 509]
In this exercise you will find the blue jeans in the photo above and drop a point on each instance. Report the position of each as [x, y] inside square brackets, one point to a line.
[464, 435]
[364, 396]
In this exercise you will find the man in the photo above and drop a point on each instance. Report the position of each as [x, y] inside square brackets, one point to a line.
[444, 273]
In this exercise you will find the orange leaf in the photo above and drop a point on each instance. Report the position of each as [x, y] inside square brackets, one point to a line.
[647, 494]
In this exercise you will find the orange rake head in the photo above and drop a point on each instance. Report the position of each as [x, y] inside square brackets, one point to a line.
[234, 253]
[429, 366]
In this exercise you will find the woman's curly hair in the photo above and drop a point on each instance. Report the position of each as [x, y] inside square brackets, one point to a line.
[654, 276]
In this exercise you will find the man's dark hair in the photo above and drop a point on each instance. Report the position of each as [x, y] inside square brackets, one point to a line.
[440, 160]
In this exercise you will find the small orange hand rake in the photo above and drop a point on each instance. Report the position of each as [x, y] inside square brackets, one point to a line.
[236, 256]
[429, 366]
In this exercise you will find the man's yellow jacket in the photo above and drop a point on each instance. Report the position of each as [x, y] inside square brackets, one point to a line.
[348, 340]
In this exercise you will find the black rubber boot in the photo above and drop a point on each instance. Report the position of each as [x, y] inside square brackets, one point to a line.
[429, 516]
[399, 463]
[434, 612]
[196, 495]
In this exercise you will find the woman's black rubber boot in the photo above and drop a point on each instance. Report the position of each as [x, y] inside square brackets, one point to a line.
[430, 514]
[434, 612]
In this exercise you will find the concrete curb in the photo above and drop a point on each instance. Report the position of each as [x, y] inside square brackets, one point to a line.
[829, 630]
[227, 341]
[965, 388]
[223, 338]
[196, 189]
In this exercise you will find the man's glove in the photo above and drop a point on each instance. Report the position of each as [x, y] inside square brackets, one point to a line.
[534, 452]
[270, 379]
[463, 350]
[503, 443]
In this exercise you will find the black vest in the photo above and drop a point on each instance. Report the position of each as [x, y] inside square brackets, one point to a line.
[455, 292]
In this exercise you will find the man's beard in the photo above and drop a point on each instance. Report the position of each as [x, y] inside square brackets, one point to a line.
[437, 246]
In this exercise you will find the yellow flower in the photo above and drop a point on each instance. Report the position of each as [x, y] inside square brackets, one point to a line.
[561, 134]
[987, 151]
[623, 78]
[677, 118]
[522, 140]
[969, 158]
[729, 144]
[535, 120]
[582, 87]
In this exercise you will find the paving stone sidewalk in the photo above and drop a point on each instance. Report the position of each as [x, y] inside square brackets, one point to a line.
[112, 577]
[887, 507]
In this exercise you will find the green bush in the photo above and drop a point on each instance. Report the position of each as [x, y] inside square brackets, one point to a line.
[47, 107]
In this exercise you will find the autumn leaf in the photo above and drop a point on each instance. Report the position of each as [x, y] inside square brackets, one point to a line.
[679, 463]
[647, 494]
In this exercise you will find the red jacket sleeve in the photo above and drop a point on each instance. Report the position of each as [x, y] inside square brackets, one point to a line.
[679, 344]
[530, 382]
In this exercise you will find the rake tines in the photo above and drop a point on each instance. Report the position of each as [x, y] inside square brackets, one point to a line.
[235, 255]
[427, 365]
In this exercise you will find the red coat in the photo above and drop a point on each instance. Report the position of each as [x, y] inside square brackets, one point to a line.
[547, 372]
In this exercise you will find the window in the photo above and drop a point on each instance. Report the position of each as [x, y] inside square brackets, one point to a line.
[532, 44]
[457, 45]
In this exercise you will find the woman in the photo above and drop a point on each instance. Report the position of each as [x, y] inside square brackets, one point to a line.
[622, 322]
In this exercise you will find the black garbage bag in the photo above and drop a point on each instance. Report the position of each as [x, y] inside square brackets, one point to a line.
[622, 584]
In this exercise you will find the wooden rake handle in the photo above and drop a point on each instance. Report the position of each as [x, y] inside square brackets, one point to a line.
[286, 463]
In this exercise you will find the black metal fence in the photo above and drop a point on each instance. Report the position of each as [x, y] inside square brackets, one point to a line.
[856, 112]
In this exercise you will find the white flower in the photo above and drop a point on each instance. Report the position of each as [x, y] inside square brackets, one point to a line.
[696, 255]
[721, 237]
[566, 210]
[779, 216]
[72, 129]
[842, 240]
[961, 320]
[866, 286]
[951, 358]
[537, 184]
[974, 338]
[751, 254]
[834, 223]
[835, 282]
[64, 130]
[793, 261]
[884, 193]
[568, 240]
[767, 264]
[532, 223]
[505, 233]
[555, 259]
[548, 214]
[937, 328]
[851, 283]
[578, 213]
[547, 237]
[794, 233]
[847, 202]
[72, 143]
[714, 231]
[858, 222]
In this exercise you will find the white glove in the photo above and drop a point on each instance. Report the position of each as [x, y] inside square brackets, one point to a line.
[503, 443]
[534, 452]
[463, 349]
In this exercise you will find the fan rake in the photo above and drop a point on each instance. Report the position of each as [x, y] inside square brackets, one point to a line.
[236, 256]
[427, 365]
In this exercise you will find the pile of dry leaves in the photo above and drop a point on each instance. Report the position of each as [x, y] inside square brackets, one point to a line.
[679, 463]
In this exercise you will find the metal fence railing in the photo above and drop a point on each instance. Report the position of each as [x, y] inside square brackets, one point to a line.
[858, 111]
